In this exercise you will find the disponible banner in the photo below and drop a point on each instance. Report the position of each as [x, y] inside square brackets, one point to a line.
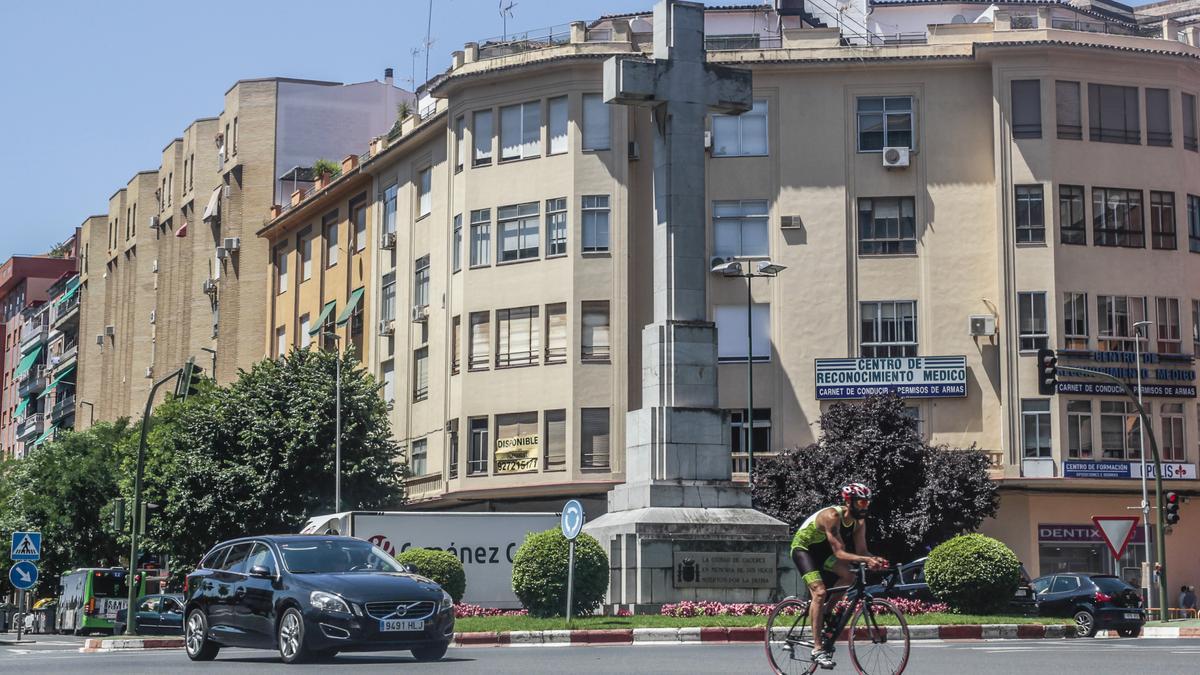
[908, 377]
[1123, 470]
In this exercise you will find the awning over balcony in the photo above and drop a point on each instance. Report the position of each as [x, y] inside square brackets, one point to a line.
[355, 298]
[325, 312]
[21, 407]
[27, 362]
[68, 293]
[214, 205]
[58, 378]
[45, 435]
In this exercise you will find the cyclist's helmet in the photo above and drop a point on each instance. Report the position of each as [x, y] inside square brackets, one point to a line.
[855, 494]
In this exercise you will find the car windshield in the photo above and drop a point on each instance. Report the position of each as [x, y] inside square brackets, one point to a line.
[1110, 585]
[335, 556]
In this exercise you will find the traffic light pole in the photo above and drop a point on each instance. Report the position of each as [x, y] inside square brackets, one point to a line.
[1161, 547]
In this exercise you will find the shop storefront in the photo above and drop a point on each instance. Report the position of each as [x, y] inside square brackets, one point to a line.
[1079, 547]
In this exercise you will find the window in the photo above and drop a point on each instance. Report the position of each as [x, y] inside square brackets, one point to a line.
[1116, 316]
[596, 134]
[1158, 117]
[558, 124]
[518, 227]
[460, 143]
[1117, 218]
[741, 135]
[389, 382]
[481, 237]
[1162, 220]
[886, 225]
[731, 332]
[281, 270]
[1079, 429]
[593, 438]
[556, 333]
[329, 224]
[481, 132]
[1032, 308]
[306, 251]
[305, 331]
[1031, 221]
[1027, 108]
[1075, 320]
[418, 457]
[452, 442]
[280, 341]
[556, 227]
[1196, 327]
[421, 282]
[1189, 121]
[1172, 432]
[521, 131]
[1120, 430]
[1193, 216]
[1064, 584]
[235, 126]
[888, 328]
[1113, 114]
[595, 341]
[761, 429]
[455, 344]
[518, 340]
[885, 122]
[236, 560]
[358, 216]
[555, 440]
[456, 243]
[595, 223]
[1072, 221]
[424, 192]
[477, 459]
[1170, 340]
[740, 229]
[387, 309]
[421, 374]
[480, 354]
[1035, 428]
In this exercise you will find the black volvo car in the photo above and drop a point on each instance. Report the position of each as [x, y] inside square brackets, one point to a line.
[312, 597]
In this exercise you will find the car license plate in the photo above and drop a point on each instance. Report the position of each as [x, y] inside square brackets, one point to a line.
[388, 625]
[1132, 615]
[1020, 592]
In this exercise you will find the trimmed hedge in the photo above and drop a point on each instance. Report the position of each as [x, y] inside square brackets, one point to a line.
[973, 574]
[540, 574]
[442, 566]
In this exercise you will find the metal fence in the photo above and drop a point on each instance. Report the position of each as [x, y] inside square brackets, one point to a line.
[525, 41]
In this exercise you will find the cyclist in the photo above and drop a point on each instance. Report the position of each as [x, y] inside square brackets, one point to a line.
[819, 551]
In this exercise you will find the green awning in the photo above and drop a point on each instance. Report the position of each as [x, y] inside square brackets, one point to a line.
[45, 434]
[57, 378]
[70, 291]
[325, 312]
[21, 407]
[27, 362]
[355, 297]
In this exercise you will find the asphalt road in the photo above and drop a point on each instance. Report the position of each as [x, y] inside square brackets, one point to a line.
[56, 654]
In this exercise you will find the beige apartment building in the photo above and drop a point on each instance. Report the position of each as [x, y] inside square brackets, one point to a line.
[949, 186]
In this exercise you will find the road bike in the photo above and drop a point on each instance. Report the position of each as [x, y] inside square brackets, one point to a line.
[878, 639]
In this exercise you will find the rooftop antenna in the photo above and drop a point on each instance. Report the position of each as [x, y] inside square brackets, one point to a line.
[415, 52]
[505, 12]
[428, 42]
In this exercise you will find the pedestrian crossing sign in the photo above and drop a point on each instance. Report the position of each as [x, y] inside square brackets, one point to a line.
[26, 546]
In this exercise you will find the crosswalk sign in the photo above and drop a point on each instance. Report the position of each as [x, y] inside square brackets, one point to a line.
[26, 546]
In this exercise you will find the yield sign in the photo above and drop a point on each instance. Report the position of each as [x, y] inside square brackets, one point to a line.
[1117, 531]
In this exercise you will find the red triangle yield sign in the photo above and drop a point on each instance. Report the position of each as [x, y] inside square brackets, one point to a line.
[1117, 532]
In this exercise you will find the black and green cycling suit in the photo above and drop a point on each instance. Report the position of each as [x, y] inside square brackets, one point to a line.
[811, 551]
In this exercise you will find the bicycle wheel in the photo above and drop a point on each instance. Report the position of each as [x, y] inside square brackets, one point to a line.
[788, 639]
[876, 650]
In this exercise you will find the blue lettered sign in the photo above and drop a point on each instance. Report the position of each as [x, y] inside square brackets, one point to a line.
[906, 376]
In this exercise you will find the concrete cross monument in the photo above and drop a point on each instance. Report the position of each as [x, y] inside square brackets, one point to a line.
[679, 528]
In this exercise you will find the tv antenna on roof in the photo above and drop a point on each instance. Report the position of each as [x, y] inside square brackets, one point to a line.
[415, 52]
[505, 12]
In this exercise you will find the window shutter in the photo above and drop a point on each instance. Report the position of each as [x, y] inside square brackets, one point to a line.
[558, 125]
[510, 132]
[556, 331]
[556, 440]
[725, 135]
[731, 332]
[482, 133]
[595, 123]
[1158, 117]
[1068, 111]
[760, 315]
[531, 129]
[594, 437]
[1026, 109]
[595, 338]
[480, 340]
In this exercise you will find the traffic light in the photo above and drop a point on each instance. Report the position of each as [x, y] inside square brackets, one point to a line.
[1047, 372]
[189, 379]
[118, 521]
[1172, 511]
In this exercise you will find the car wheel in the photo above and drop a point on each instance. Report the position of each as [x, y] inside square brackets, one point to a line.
[431, 652]
[1129, 631]
[291, 637]
[1085, 624]
[195, 641]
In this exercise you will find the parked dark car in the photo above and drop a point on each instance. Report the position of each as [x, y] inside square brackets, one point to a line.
[1095, 601]
[911, 585]
[156, 615]
[312, 597]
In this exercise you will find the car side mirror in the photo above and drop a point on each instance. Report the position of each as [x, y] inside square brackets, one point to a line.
[411, 569]
[261, 572]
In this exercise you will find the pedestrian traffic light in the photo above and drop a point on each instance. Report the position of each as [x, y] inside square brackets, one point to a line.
[189, 379]
[118, 521]
[1172, 508]
[1047, 372]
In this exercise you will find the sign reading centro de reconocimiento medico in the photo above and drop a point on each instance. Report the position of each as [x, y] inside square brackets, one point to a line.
[907, 376]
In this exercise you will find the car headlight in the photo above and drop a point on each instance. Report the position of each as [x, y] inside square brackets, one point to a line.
[446, 603]
[328, 602]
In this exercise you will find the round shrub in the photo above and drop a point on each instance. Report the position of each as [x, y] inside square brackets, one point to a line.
[973, 574]
[540, 574]
[442, 566]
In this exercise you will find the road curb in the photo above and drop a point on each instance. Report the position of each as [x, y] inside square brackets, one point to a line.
[95, 645]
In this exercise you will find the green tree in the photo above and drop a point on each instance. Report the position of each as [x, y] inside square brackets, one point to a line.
[924, 494]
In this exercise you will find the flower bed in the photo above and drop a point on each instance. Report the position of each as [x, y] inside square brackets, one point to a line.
[687, 608]
[465, 610]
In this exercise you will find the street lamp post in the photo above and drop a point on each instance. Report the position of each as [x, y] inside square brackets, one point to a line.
[337, 429]
[765, 268]
[1137, 354]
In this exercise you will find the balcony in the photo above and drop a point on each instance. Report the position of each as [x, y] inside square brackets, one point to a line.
[66, 358]
[531, 40]
[66, 311]
[424, 488]
[32, 381]
[63, 409]
[31, 427]
[33, 333]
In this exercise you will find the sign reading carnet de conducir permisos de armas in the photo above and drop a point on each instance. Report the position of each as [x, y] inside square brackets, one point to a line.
[907, 376]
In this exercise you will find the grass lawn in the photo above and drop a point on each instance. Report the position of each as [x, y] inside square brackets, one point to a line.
[510, 623]
[1177, 623]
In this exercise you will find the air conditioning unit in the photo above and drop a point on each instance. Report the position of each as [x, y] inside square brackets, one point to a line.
[895, 158]
[209, 287]
[707, 140]
[389, 240]
[635, 150]
[983, 325]
[154, 265]
[420, 313]
[386, 327]
[153, 222]
[718, 260]
[452, 426]
[790, 222]
[222, 253]
[225, 190]
[153, 316]
[100, 340]
[149, 371]
[110, 330]
[232, 244]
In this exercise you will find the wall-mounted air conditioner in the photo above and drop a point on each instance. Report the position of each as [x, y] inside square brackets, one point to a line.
[149, 371]
[209, 287]
[895, 158]
[154, 265]
[153, 316]
[222, 253]
[386, 327]
[635, 150]
[388, 241]
[232, 244]
[790, 222]
[225, 191]
[153, 222]
[983, 325]
[100, 340]
[420, 313]
[707, 140]
[110, 330]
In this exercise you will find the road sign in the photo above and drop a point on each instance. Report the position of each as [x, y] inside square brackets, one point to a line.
[572, 519]
[23, 575]
[1117, 532]
[26, 546]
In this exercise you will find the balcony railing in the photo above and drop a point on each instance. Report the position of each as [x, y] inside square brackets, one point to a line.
[421, 488]
[32, 332]
[32, 382]
[715, 43]
[32, 425]
[62, 409]
[67, 310]
[525, 41]
[741, 463]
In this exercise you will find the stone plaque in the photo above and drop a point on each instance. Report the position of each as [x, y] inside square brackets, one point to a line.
[723, 569]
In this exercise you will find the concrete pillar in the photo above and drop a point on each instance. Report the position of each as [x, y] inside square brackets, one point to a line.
[578, 32]
[471, 52]
[1192, 35]
[621, 31]
[456, 59]
[1002, 21]
[1043, 18]
[1170, 29]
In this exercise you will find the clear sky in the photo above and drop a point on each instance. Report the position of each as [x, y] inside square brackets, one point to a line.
[94, 89]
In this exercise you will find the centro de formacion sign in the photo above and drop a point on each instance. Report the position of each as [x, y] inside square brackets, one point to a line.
[908, 377]
[1120, 470]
